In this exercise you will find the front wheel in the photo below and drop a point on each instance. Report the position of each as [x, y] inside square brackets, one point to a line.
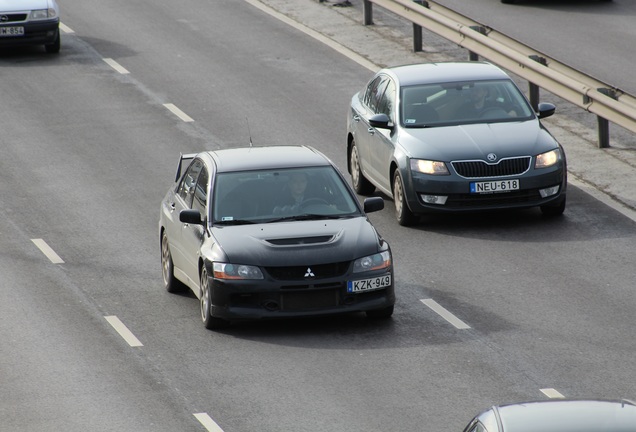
[210, 322]
[54, 48]
[403, 213]
[553, 211]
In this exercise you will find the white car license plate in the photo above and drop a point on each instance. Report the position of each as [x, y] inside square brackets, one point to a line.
[11, 31]
[494, 186]
[369, 284]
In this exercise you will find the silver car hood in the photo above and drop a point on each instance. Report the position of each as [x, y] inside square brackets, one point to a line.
[475, 141]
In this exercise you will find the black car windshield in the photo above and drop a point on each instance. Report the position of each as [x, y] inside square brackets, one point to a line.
[447, 104]
[281, 195]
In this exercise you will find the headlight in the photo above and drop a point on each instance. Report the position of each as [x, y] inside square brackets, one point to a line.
[547, 159]
[372, 262]
[40, 14]
[429, 167]
[236, 271]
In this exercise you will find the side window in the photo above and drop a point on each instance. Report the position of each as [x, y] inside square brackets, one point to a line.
[201, 192]
[188, 182]
[387, 102]
[374, 93]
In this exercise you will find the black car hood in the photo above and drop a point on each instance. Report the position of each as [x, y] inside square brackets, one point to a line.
[475, 141]
[298, 242]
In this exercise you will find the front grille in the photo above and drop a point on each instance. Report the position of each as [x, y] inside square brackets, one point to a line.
[481, 169]
[303, 273]
[300, 240]
[14, 17]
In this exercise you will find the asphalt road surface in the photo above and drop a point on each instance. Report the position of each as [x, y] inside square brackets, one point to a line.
[532, 308]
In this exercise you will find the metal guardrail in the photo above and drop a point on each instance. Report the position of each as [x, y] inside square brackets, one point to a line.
[610, 104]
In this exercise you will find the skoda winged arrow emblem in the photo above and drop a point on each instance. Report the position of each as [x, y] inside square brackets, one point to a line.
[309, 273]
[491, 157]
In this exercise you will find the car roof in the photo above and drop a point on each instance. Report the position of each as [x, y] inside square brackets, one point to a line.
[566, 415]
[266, 157]
[427, 73]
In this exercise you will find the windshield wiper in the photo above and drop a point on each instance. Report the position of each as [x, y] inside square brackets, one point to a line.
[234, 222]
[306, 216]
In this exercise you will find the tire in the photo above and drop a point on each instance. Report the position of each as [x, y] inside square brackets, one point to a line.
[380, 313]
[360, 183]
[509, 1]
[172, 284]
[553, 211]
[403, 213]
[54, 48]
[210, 322]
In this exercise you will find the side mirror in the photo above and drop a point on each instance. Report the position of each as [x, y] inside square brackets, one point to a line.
[373, 204]
[380, 121]
[546, 109]
[192, 217]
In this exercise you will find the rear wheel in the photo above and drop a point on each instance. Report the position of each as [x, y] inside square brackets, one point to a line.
[380, 313]
[210, 322]
[403, 213]
[359, 181]
[167, 267]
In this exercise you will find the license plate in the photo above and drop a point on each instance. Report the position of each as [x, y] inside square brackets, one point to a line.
[369, 284]
[11, 31]
[494, 186]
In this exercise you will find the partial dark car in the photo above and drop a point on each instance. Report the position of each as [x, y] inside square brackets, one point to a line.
[30, 22]
[558, 415]
[453, 137]
[272, 232]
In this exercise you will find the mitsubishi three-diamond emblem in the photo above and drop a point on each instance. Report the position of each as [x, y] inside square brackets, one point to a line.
[309, 273]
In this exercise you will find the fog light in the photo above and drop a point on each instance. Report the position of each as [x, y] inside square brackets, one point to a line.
[549, 191]
[434, 199]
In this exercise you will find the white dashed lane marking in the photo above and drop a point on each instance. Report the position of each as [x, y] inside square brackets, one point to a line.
[207, 421]
[46, 250]
[176, 111]
[123, 331]
[441, 311]
[119, 68]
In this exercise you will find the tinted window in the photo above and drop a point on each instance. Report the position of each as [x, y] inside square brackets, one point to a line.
[266, 195]
[201, 192]
[188, 182]
[374, 93]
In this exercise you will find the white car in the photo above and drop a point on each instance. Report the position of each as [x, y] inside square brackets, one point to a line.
[30, 22]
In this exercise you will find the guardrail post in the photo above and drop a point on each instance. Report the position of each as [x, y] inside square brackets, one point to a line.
[417, 29]
[480, 29]
[533, 89]
[367, 11]
[603, 124]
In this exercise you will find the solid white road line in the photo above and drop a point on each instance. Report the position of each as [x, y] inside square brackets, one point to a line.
[119, 68]
[123, 331]
[176, 111]
[314, 34]
[46, 250]
[552, 393]
[439, 309]
[207, 421]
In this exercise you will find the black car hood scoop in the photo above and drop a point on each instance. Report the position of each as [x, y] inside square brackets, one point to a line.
[294, 241]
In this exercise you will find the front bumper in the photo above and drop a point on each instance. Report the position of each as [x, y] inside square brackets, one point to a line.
[35, 33]
[270, 298]
[456, 189]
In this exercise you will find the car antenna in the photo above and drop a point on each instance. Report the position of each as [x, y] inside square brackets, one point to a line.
[248, 130]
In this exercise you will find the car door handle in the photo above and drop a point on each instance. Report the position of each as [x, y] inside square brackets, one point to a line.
[371, 131]
[356, 118]
[172, 207]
